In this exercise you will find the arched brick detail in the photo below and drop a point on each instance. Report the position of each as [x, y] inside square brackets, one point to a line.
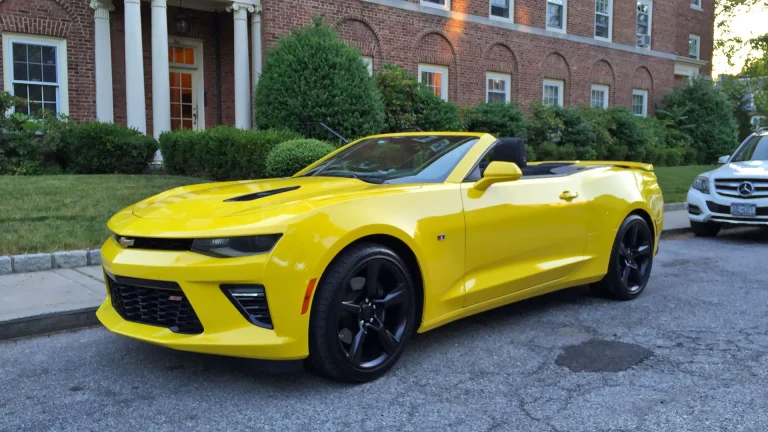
[555, 66]
[435, 47]
[499, 57]
[602, 73]
[57, 22]
[642, 79]
[359, 32]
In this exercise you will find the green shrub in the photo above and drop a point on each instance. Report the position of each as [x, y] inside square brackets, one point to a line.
[108, 148]
[410, 105]
[314, 76]
[222, 152]
[505, 120]
[290, 157]
[630, 140]
[710, 115]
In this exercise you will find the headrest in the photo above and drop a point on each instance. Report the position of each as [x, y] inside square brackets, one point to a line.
[511, 150]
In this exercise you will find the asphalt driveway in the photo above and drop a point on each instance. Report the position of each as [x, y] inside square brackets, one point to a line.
[690, 355]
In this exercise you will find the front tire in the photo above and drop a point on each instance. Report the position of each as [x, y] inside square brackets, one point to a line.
[705, 229]
[631, 261]
[363, 314]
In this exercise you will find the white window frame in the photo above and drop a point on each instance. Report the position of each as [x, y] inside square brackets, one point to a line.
[507, 78]
[496, 17]
[368, 60]
[650, 22]
[606, 94]
[446, 6]
[429, 68]
[696, 4]
[610, 22]
[61, 64]
[644, 94]
[698, 46]
[565, 16]
[554, 83]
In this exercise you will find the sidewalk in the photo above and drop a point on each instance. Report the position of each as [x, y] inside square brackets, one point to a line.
[64, 299]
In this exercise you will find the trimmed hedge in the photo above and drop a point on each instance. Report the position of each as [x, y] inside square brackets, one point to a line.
[108, 148]
[222, 152]
[505, 120]
[290, 157]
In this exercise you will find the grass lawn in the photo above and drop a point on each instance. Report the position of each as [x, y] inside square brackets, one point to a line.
[67, 212]
[675, 181]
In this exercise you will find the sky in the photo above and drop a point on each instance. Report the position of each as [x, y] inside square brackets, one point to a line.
[747, 24]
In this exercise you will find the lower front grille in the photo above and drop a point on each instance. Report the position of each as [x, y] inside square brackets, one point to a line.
[251, 301]
[726, 209]
[157, 303]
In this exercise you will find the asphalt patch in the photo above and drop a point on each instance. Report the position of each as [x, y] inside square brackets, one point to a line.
[602, 356]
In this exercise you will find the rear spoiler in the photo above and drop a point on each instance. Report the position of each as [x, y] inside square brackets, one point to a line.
[620, 164]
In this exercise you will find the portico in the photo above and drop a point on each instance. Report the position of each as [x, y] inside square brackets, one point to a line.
[192, 73]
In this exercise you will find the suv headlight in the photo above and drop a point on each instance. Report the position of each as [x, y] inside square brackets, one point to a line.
[701, 184]
[229, 247]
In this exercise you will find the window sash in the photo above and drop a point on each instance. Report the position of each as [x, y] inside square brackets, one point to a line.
[598, 97]
[693, 47]
[497, 88]
[644, 10]
[553, 93]
[696, 3]
[640, 103]
[603, 19]
[42, 94]
[555, 14]
[501, 9]
[436, 78]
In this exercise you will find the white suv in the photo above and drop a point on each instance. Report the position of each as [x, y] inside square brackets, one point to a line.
[735, 193]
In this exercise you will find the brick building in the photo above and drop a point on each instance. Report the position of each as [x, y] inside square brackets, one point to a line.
[195, 61]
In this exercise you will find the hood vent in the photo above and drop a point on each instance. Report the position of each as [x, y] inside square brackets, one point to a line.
[263, 194]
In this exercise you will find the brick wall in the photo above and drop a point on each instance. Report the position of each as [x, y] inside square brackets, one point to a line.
[697, 22]
[70, 20]
[470, 50]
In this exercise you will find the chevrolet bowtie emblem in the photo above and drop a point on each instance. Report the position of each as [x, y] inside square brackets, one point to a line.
[125, 242]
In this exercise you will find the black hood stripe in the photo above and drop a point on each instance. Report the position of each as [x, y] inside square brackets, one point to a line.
[263, 194]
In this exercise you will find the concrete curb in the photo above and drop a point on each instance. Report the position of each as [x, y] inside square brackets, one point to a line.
[27, 263]
[48, 323]
[675, 206]
[675, 232]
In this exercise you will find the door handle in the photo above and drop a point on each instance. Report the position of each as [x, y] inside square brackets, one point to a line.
[568, 196]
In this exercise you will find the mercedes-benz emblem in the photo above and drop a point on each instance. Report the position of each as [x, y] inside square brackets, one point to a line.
[746, 189]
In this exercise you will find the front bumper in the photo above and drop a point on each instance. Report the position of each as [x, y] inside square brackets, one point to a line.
[225, 330]
[716, 208]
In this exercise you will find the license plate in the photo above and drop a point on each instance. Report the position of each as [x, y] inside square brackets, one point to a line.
[743, 209]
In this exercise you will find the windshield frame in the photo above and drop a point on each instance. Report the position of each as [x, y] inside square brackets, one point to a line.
[482, 141]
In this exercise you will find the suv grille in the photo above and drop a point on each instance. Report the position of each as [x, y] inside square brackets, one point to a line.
[157, 303]
[730, 187]
[724, 209]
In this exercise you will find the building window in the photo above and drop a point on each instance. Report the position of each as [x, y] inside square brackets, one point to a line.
[497, 88]
[603, 19]
[644, 18]
[640, 103]
[368, 61]
[694, 46]
[696, 4]
[557, 15]
[436, 78]
[35, 69]
[553, 92]
[599, 96]
[442, 4]
[502, 9]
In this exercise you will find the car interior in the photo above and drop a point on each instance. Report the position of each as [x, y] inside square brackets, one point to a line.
[513, 150]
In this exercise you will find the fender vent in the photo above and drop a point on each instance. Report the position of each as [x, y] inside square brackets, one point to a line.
[251, 301]
[263, 194]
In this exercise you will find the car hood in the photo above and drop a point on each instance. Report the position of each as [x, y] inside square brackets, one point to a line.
[216, 200]
[747, 169]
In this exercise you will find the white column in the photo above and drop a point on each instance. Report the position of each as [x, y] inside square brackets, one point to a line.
[242, 70]
[256, 43]
[103, 56]
[134, 68]
[161, 91]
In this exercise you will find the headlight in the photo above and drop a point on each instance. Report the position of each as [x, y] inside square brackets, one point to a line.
[701, 184]
[235, 246]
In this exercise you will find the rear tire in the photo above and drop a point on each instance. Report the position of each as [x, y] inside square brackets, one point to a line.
[363, 314]
[631, 261]
[705, 229]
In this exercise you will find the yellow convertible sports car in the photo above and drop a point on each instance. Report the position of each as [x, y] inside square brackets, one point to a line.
[392, 234]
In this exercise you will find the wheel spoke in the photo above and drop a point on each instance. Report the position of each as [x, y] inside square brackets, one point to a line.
[643, 250]
[350, 307]
[633, 235]
[356, 350]
[625, 274]
[396, 297]
[372, 278]
[386, 338]
[624, 252]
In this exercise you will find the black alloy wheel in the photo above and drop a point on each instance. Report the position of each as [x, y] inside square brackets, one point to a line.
[363, 314]
[631, 261]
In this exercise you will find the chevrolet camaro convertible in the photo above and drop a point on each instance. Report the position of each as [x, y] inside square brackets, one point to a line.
[390, 235]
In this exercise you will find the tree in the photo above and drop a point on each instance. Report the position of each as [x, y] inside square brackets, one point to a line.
[314, 76]
[737, 93]
[725, 12]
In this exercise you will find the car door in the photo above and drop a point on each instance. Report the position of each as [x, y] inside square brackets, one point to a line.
[522, 234]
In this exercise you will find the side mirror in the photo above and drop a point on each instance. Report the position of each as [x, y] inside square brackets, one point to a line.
[723, 159]
[498, 172]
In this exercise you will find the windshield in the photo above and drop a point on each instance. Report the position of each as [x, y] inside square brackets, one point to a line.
[755, 149]
[405, 159]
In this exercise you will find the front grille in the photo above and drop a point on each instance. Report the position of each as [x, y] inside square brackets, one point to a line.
[251, 301]
[730, 187]
[726, 209]
[693, 209]
[157, 303]
[165, 244]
